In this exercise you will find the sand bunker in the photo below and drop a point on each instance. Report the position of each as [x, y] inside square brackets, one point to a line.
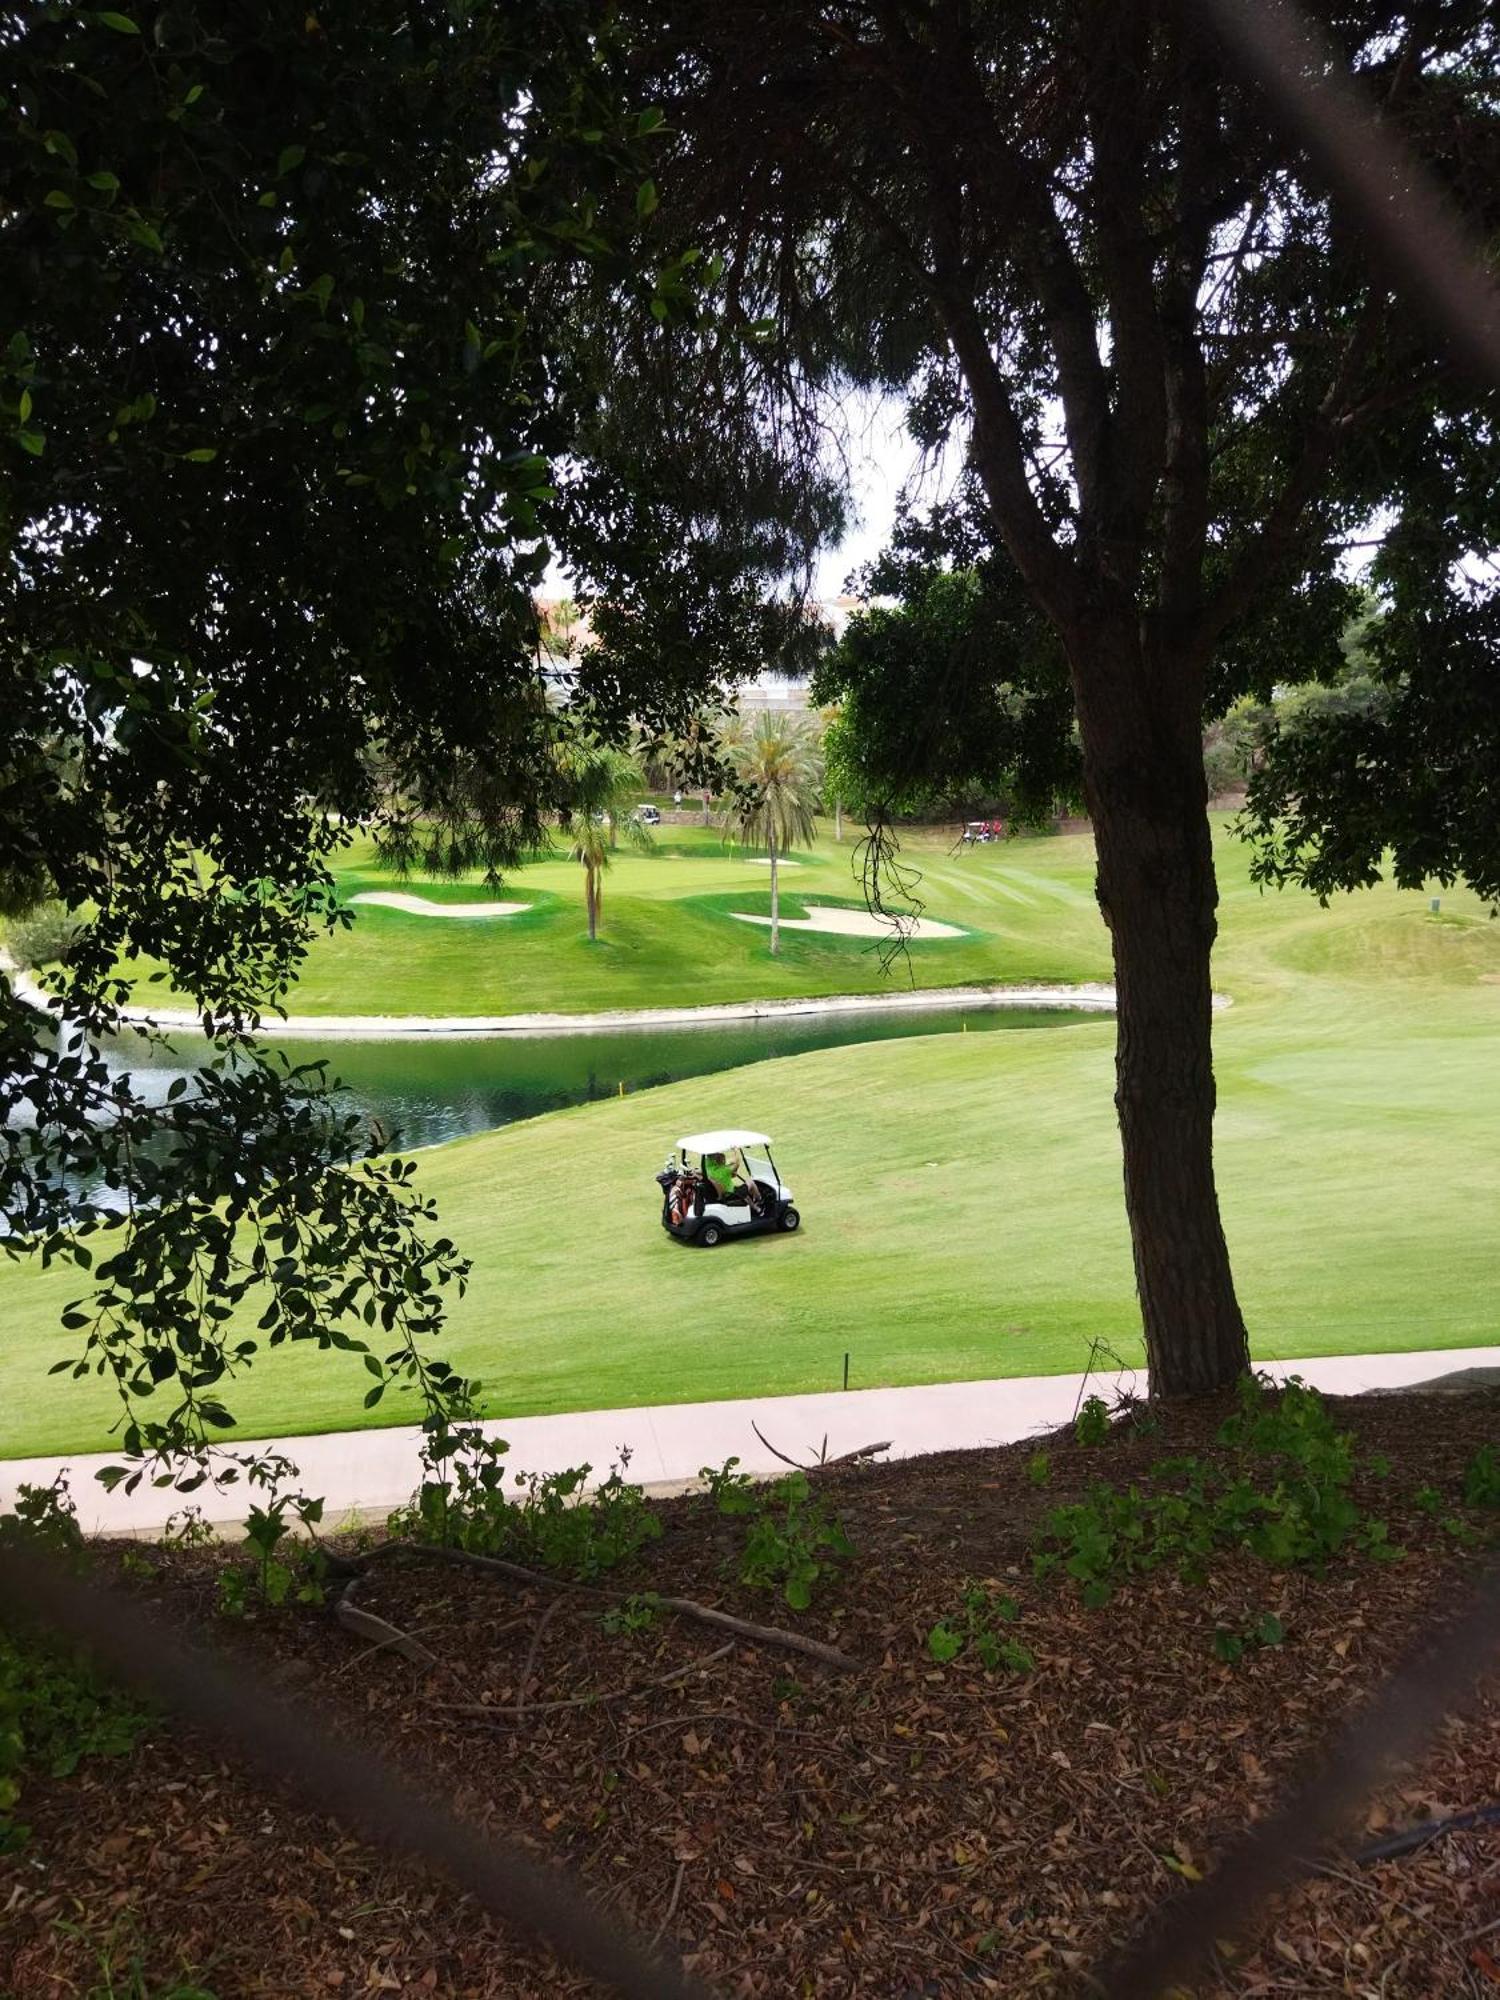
[764, 861]
[854, 923]
[418, 906]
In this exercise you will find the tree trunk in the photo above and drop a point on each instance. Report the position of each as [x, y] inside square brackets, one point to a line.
[838, 819]
[775, 898]
[708, 808]
[591, 897]
[1147, 798]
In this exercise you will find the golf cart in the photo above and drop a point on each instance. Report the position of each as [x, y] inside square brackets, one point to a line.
[720, 1184]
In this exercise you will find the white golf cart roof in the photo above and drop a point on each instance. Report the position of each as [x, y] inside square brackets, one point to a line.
[721, 1142]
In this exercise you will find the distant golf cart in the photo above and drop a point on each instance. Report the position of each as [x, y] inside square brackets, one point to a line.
[721, 1184]
[980, 832]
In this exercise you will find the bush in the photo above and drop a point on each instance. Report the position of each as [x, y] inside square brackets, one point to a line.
[1286, 1499]
[549, 1523]
[791, 1540]
[46, 937]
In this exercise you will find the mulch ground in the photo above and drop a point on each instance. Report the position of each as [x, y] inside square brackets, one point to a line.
[788, 1830]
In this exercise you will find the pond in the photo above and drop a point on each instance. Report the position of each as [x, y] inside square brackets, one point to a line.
[423, 1092]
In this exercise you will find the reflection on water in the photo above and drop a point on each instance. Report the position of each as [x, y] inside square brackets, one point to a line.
[423, 1092]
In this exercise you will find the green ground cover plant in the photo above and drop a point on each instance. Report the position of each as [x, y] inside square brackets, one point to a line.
[790, 1539]
[549, 1521]
[972, 1630]
[1285, 1497]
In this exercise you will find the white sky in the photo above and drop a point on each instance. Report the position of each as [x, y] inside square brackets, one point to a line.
[880, 458]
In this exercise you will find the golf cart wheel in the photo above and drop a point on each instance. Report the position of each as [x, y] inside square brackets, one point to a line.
[790, 1219]
[709, 1235]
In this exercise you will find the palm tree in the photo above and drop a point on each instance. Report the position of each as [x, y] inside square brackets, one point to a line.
[588, 842]
[778, 772]
[605, 783]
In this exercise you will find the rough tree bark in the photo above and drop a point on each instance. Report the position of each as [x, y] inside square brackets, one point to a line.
[1147, 799]
[775, 897]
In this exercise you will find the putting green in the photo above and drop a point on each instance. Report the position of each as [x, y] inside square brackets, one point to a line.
[961, 1194]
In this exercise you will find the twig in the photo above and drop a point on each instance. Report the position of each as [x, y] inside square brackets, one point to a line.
[822, 1462]
[386, 1637]
[860, 1451]
[523, 1687]
[795, 1462]
[1382, 1894]
[684, 1607]
[491, 1711]
[671, 1907]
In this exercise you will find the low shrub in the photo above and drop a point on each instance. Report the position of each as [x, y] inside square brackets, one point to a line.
[545, 1521]
[1285, 1497]
[791, 1540]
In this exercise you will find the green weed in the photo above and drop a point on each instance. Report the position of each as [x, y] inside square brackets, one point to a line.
[972, 1630]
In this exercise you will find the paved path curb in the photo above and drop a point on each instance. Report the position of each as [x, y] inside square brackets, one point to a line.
[369, 1472]
[1095, 999]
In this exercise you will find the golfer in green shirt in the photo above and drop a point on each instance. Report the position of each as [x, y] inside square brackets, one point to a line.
[720, 1173]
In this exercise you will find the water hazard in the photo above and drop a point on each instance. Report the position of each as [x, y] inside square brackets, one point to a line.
[423, 1092]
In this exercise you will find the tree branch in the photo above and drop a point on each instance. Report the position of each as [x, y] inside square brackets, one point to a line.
[1263, 557]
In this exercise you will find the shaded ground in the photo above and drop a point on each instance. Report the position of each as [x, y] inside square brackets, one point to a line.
[790, 1831]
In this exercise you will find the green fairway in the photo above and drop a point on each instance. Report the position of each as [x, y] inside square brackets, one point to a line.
[961, 1195]
[669, 936]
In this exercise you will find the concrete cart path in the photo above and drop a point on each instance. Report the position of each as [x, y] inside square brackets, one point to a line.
[369, 1472]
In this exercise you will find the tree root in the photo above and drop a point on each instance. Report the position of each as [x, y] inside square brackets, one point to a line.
[683, 1607]
[384, 1636]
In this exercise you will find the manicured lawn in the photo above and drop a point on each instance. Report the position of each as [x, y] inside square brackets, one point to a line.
[668, 937]
[961, 1195]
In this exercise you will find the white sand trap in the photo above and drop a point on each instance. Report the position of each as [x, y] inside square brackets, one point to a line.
[764, 861]
[418, 906]
[854, 923]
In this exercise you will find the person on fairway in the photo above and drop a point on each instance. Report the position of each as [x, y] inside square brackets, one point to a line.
[721, 1174]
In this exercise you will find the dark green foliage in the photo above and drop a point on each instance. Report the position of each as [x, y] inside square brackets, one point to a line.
[956, 694]
[1402, 771]
[547, 1520]
[790, 1538]
[278, 403]
[1285, 1499]
[972, 1631]
[1091, 1425]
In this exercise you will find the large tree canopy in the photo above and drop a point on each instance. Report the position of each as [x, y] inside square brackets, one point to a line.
[291, 366]
[1081, 245]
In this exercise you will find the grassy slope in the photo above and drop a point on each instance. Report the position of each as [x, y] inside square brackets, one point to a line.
[962, 1194]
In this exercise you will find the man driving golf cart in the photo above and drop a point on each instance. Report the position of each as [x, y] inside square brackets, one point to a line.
[723, 1184]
